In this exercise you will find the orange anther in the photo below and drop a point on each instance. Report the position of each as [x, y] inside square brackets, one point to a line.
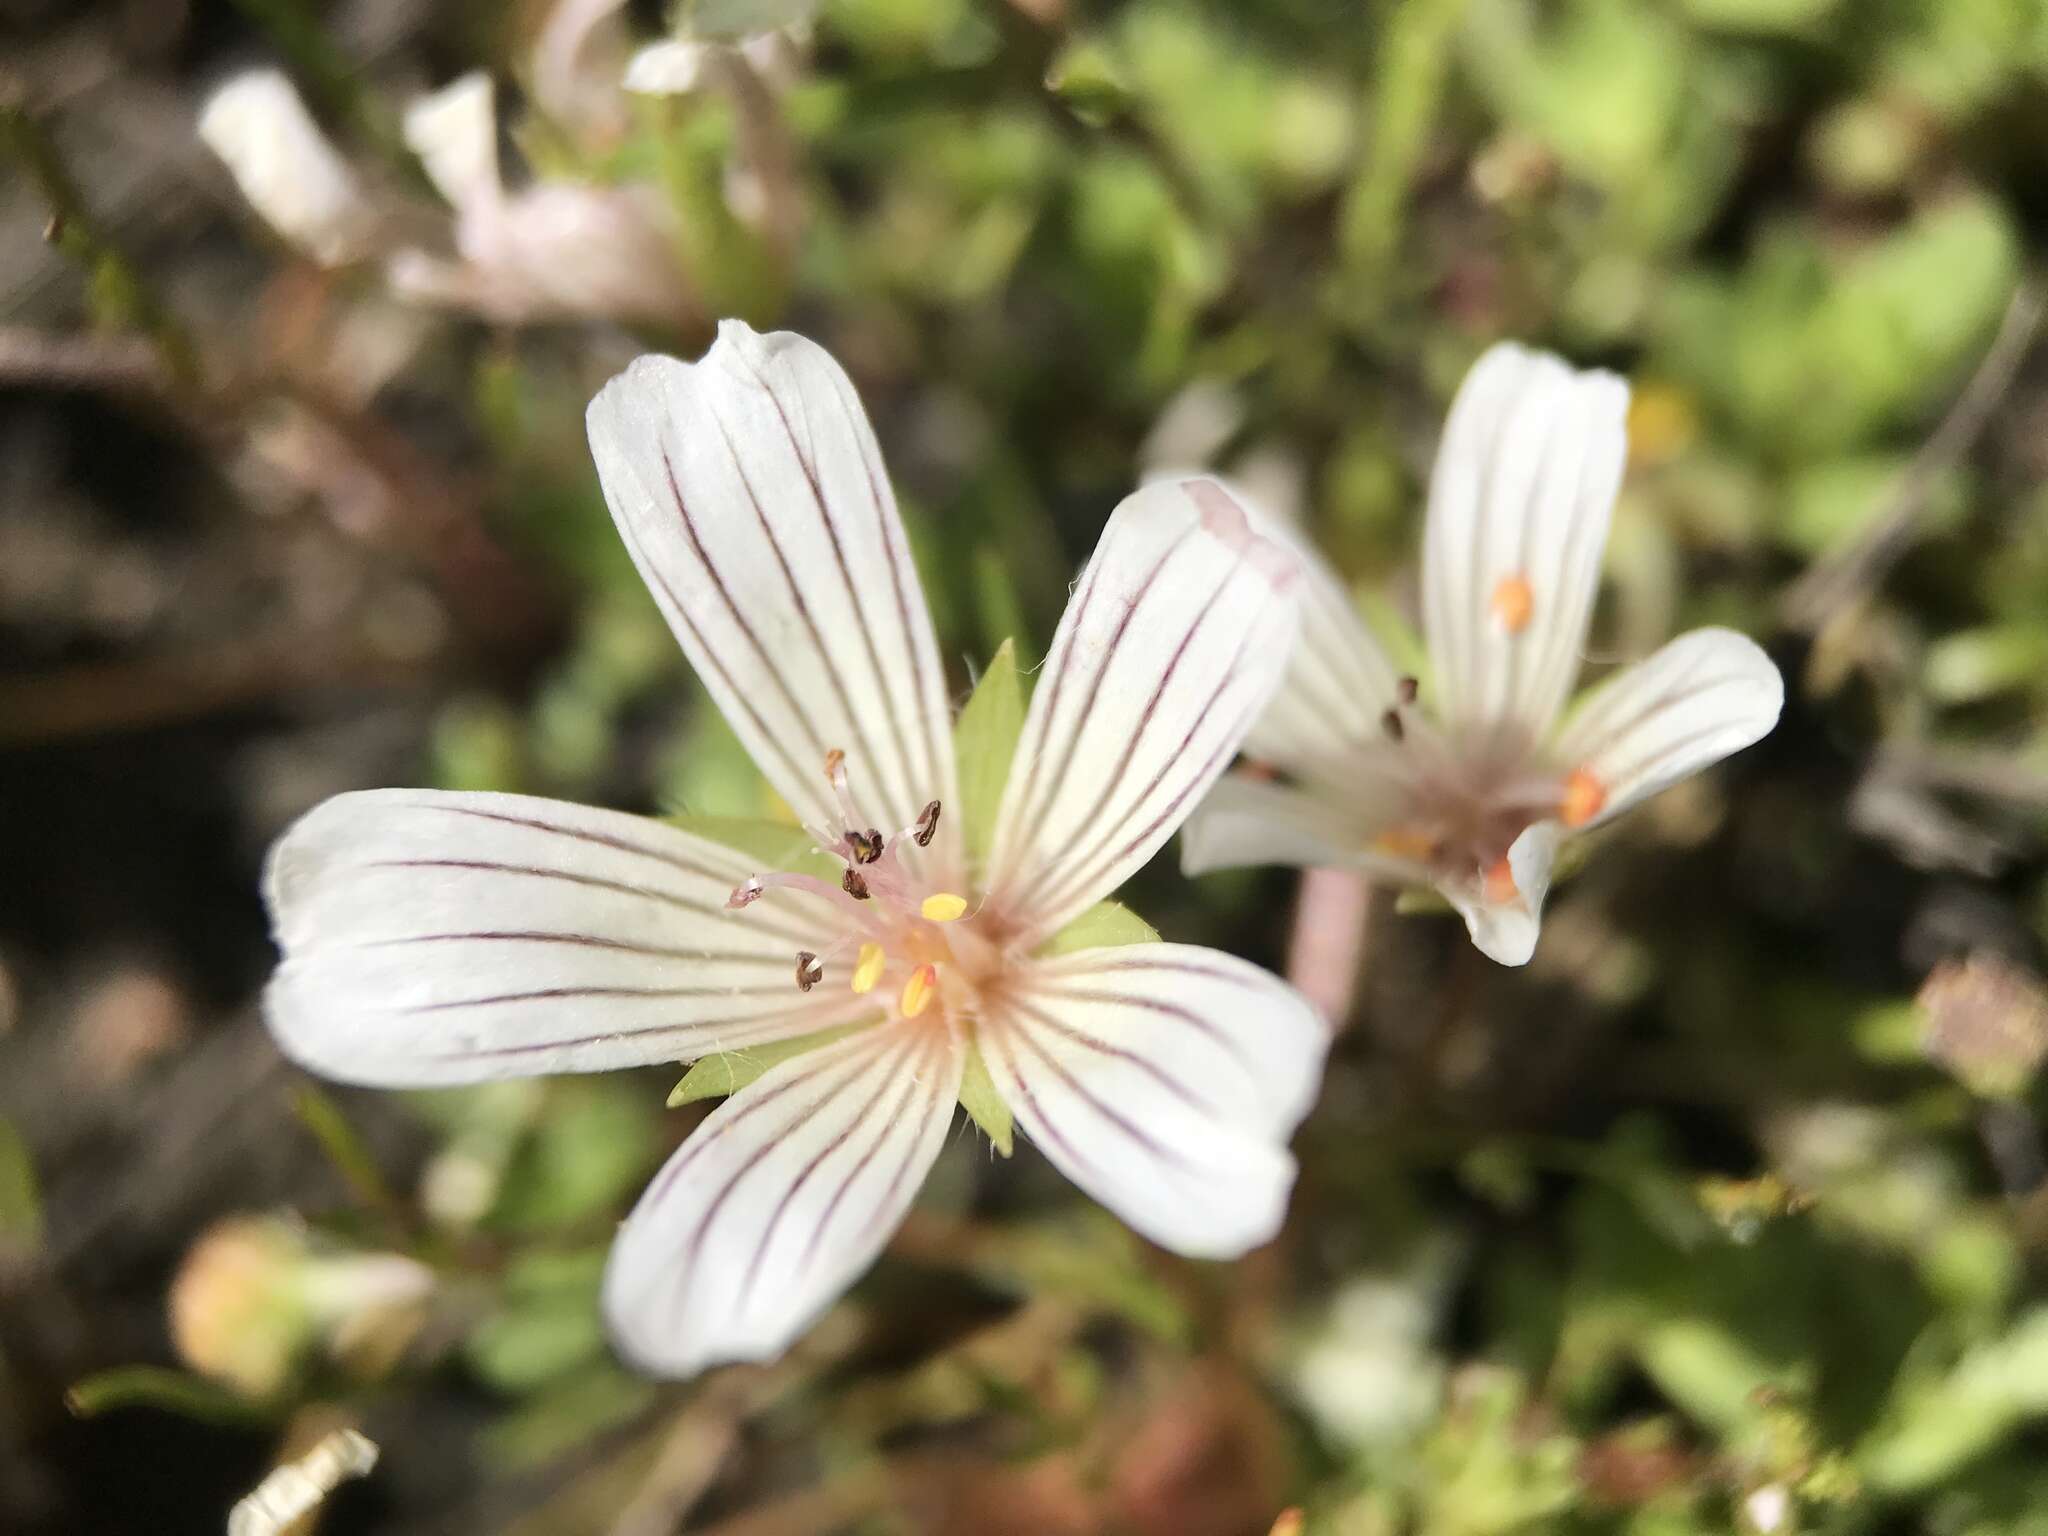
[1500, 882]
[1411, 843]
[1513, 603]
[1583, 798]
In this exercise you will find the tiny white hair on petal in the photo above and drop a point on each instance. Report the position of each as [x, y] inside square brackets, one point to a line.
[780, 1200]
[259, 127]
[1174, 641]
[436, 938]
[1164, 1080]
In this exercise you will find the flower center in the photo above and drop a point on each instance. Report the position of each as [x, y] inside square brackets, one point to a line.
[902, 935]
[1466, 805]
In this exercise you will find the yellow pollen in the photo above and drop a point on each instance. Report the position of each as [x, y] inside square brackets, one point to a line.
[943, 907]
[1410, 843]
[1513, 603]
[1583, 799]
[868, 969]
[919, 991]
[1500, 882]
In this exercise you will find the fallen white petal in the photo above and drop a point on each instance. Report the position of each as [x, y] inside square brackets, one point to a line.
[780, 1200]
[260, 128]
[454, 131]
[450, 938]
[1164, 1080]
[1696, 700]
[1519, 505]
[751, 494]
[1173, 643]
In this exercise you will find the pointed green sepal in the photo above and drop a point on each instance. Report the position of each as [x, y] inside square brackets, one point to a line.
[984, 743]
[984, 1105]
[716, 1077]
[1102, 926]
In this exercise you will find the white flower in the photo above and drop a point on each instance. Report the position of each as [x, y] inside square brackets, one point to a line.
[1472, 783]
[553, 249]
[443, 938]
[284, 165]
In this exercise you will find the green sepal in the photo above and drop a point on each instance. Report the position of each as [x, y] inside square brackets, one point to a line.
[1103, 926]
[984, 744]
[772, 845]
[715, 1077]
[984, 1105]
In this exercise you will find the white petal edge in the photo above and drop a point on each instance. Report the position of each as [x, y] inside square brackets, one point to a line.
[1697, 699]
[1523, 490]
[1325, 721]
[258, 125]
[751, 493]
[1506, 931]
[434, 938]
[780, 1200]
[1247, 821]
[1165, 1081]
[1175, 639]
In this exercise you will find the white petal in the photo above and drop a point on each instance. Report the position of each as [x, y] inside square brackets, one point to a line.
[1248, 821]
[1524, 487]
[1506, 931]
[752, 496]
[671, 67]
[1164, 1080]
[780, 1200]
[455, 133]
[451, 938]
[1325, 722]
[260, 128]
[1173, 643]
[1700, 698]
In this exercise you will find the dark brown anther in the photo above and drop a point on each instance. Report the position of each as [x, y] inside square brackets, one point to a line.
[1390, 722]
[746, 893]
[1407, 689]
[866, 846]
[808, 971]
[927, 825]
[835, 763]
[854, 885]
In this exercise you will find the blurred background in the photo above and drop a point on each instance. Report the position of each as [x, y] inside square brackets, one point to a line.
[1727, 1214]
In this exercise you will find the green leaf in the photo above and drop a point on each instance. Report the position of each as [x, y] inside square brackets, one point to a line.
[715, 1077]
[773, 845]
[1103, 926]
[984, 743]
[984, 1105]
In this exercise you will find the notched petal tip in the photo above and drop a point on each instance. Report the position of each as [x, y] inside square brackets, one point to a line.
[1224, 519]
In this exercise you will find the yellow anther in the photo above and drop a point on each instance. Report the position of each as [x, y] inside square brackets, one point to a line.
[1513, 603]
[919, 991]
[943, 907]
[868, 969]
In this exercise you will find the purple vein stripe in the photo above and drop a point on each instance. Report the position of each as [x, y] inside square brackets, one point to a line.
[778, 960]
[929, 1120]
[1101, 1047]
[1123, 1123]
[1160, 1006]
[806, 457]
[720, 1034]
